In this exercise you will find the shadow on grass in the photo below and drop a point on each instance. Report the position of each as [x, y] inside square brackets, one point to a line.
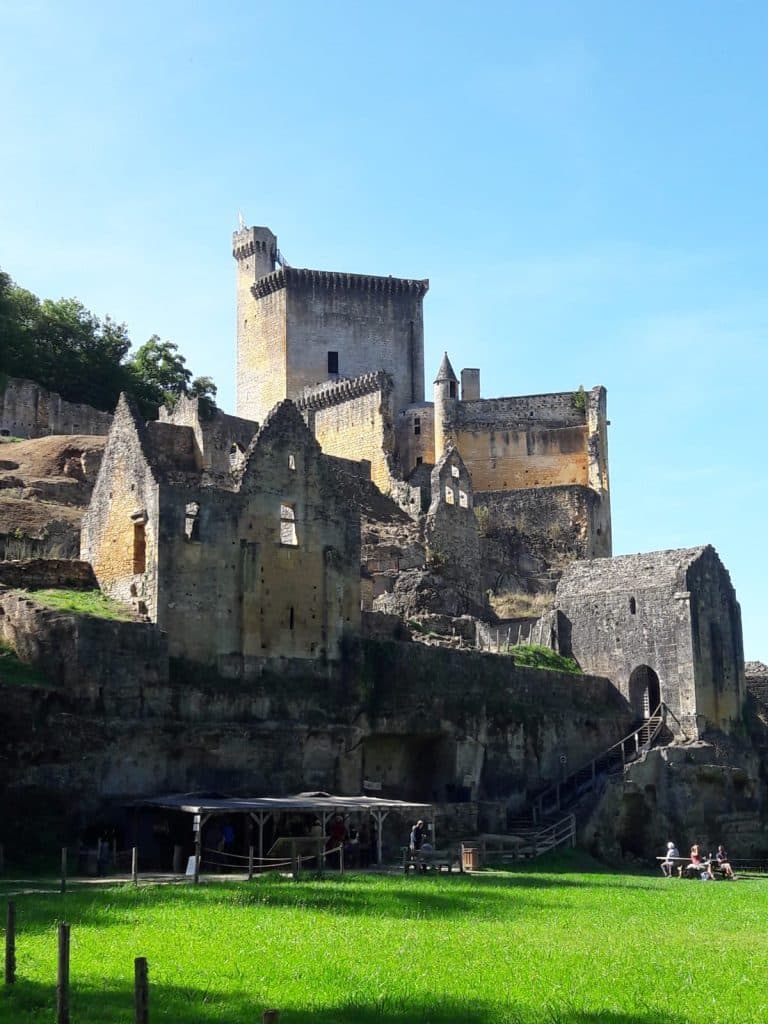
[483, 897]
[27, 1002]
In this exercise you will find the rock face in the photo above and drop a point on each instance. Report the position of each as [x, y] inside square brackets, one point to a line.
[702, 792]
[45, 486]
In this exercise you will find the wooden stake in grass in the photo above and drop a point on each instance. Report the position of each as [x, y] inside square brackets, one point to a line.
[62, 980]
[250, 863]
[63, 869]
[10, 944]
[135, 864]
[270, 1017]
[141, 989]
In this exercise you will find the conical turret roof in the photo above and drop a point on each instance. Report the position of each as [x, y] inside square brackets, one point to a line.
[446, 371]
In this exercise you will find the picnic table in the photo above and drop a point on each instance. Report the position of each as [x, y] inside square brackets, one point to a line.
[705, 865]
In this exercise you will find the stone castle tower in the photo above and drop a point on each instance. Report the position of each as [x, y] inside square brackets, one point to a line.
[299, 328]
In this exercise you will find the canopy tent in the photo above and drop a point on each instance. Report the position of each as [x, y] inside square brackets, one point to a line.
[262, 808]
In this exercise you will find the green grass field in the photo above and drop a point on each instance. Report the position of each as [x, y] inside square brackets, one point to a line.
[527, 946]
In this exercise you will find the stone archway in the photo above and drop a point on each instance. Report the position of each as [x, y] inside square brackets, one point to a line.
[644, 690]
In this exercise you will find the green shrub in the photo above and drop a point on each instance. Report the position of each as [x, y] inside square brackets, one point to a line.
[538, 656]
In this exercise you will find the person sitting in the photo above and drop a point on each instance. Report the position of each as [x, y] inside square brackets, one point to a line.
[723, 863]
[667, 865]
[696, 866]
[425, 855]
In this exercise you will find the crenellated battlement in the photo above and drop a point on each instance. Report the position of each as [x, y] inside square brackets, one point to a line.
[250, 248]
[330, 393]
[336, 281]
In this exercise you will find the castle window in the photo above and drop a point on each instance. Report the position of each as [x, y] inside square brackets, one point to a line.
[632, 606]
[449, 495]
[192, 521]
[291, 618]
[452, 389]
[417, 425]
[419, 460]
[463, 499]
[288, 525]
[139, 548]
[291, 462]
[455, 472]
[333, 362]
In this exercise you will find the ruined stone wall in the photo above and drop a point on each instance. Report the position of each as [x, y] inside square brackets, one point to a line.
[119, 533]
[717, 643]
[234, 591]
[42, 573]
[215, 433]
[451, 530]
[28, 410]
[102, 665]
[756, 674]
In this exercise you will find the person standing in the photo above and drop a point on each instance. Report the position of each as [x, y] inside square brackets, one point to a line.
[417, 836]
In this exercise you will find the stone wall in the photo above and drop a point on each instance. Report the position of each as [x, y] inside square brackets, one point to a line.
[756, 674]
[111, 725]
[267, 568]
[660, 625]
[353, 419]
[290, 320]
[42, 573]
[28, 410]
[218, 436]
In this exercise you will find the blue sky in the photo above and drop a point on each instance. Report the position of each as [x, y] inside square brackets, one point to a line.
[583, 183]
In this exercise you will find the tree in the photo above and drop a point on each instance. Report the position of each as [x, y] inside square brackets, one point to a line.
[62, 346]
[160, 376]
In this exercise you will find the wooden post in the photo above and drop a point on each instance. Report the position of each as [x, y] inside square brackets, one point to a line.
[10, 944]
[135, 865]
[62, 980]
[141, 989]
[294, 859]
[341, 857]
[178, 859]
[250, 863]
[270, 1017]
[63, 869]
[198, 844]
[320, 857]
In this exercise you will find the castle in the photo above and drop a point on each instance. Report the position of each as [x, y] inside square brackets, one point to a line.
[299, 548]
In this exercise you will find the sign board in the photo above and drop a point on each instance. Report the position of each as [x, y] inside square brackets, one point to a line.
[190, 872]
[196, 823]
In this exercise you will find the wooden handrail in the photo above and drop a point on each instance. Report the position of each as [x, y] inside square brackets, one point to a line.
[654, 724]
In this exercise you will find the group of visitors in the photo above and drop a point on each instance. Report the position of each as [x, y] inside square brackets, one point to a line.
[698, 866]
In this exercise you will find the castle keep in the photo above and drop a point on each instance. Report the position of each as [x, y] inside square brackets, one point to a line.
[349, 349]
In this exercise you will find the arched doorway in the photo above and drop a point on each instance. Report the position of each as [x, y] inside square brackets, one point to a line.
[644, 690]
